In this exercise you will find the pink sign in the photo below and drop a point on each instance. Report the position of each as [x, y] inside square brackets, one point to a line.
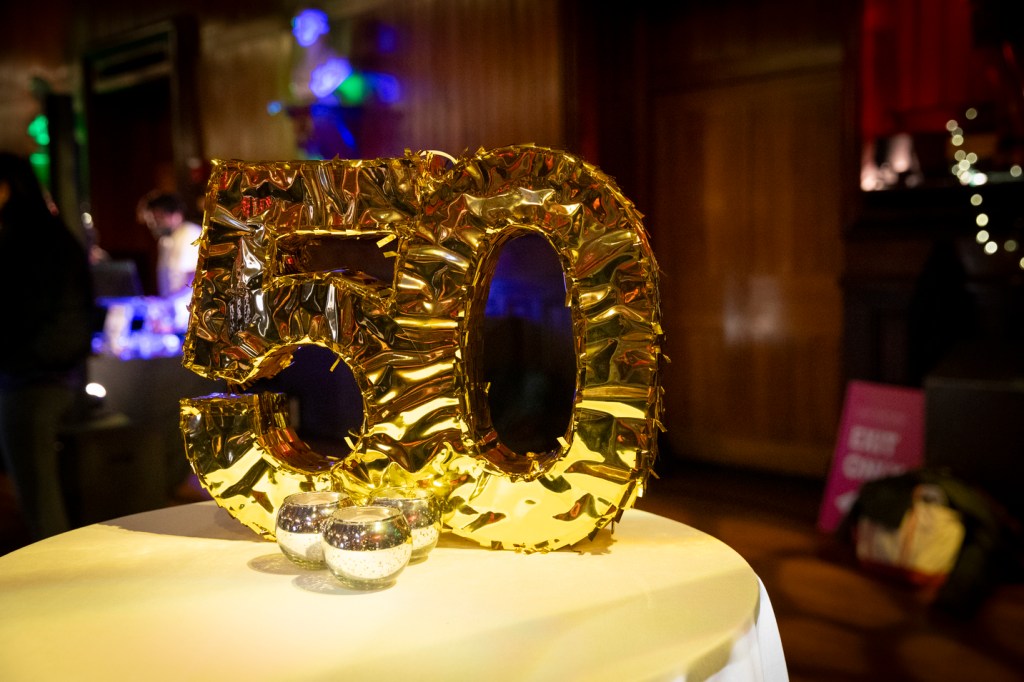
[881, 434]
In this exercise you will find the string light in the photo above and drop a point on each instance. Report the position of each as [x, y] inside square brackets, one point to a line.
[968, 175]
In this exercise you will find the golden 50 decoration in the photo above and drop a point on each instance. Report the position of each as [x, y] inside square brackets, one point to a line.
[413, 345]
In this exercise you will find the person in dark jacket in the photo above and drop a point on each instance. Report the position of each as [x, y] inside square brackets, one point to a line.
[45, 340]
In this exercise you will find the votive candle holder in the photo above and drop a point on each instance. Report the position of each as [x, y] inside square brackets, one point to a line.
[367, 547]
[299, 525]
[423, 512]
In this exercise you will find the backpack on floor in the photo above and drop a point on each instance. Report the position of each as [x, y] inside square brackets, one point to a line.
[934, 532]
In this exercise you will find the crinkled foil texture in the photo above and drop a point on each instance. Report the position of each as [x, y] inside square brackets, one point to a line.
[413, 344]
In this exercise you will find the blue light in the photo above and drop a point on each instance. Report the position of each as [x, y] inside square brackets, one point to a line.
[308, 25]
[346, 135]
[274, 108]
[387, 39]
[387, 88]
[326, 77]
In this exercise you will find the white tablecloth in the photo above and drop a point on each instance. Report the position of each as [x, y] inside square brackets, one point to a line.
[188, 593]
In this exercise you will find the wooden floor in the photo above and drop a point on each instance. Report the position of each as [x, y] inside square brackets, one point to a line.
[837, 623]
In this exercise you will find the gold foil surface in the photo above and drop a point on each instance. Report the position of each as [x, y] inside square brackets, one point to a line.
[413, 343]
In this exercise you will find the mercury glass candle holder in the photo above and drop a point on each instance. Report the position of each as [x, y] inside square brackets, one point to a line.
[423, 512]
[366, 547]
[299, 525]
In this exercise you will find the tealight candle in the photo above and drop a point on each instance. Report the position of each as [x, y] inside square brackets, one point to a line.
[366, 547]
[299, 525]
[423, 512]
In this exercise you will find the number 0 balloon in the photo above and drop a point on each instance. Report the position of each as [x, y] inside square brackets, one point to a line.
[413, 343]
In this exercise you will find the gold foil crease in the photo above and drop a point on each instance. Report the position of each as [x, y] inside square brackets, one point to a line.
[413, 343]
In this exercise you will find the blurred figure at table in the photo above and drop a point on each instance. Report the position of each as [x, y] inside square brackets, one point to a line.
[45, 340]
[165, 214]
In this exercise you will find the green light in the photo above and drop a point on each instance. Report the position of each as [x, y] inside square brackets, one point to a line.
[39, 130]
[41, 165]
[353, 90]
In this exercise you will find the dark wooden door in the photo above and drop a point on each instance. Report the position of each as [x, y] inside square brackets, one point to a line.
[142, 133]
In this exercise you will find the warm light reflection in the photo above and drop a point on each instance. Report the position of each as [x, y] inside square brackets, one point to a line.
[991, 248]
[982, 236]
[981, 220]
[890, 162]
[754, 312]
[971, 114]
[1015, 171]
[95, 390]
[976, 200]
[1011, 245]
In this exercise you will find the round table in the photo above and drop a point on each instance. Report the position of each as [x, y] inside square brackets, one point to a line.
[189, 593]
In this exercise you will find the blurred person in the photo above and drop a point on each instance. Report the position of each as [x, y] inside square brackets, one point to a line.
[177, 241]
[164, 213]
[45, 342]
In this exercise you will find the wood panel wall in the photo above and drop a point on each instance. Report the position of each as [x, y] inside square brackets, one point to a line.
[746, 142]
[480, 74]
[246, 67]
